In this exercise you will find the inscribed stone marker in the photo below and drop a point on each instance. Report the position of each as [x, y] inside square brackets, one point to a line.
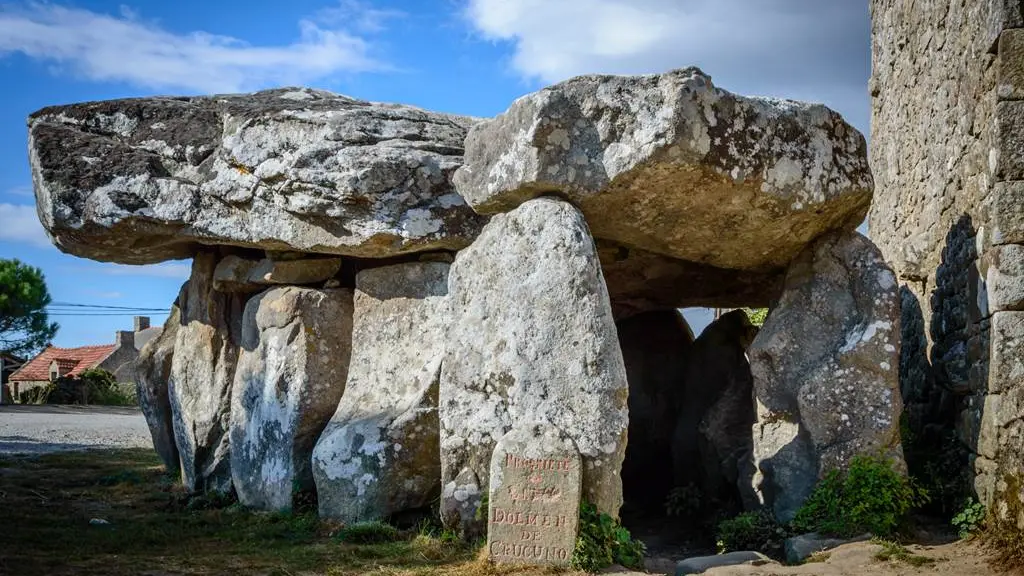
[534, 499]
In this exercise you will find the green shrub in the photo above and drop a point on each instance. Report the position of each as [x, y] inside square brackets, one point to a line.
[869, 496]
[757, 315]
[435, 531]
[101, 388]
[93, 386]
[970, 519]
[369, 533]
[756, 530]
[602, 541]
[36, 395]
[483, 509]
[684, 501]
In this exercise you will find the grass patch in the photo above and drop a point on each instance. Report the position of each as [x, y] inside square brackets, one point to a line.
[895, 552]
[155, 527]
[369, 533]
[818, 557]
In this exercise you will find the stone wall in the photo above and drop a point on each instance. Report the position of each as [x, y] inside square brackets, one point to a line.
[947, 151]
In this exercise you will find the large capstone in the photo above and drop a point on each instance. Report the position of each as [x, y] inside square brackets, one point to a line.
[144, 180]
[531, 340]
[640, 281]
[825, 367]
[202, 371]
[753, 179]
[290, 376]
[152, 372]
[379, 454]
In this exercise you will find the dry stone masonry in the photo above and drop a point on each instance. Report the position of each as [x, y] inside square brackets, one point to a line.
[436, 306]
[948, 156]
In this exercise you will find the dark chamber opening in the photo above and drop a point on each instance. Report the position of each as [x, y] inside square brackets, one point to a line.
[691, 412]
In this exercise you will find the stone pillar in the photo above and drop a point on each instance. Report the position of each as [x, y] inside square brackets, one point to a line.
[152, 374]
[379, 454]
[531, 341]
[825, 368]
[202, 371]
[291, 374]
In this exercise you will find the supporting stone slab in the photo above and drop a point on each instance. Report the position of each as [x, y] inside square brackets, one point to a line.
[379, 455]
[290, 376]
[532, 339]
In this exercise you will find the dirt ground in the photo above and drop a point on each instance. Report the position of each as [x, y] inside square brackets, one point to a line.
[117, 512]
[955, 559]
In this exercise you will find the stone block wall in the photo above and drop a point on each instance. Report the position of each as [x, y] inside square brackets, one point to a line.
[947, 151]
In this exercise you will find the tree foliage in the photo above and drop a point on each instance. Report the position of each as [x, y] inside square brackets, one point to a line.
[757, 315]
[25, 326]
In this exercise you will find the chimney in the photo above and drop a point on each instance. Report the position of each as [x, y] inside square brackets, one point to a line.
[141, 323]
[125, 339]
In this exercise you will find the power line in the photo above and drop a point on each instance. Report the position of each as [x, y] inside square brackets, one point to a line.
[78, 314]
[55, 305]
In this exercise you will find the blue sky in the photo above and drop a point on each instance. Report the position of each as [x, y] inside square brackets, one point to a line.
[464, 56]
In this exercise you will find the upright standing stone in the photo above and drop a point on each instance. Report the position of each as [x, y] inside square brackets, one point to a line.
[153, 372]
[379, 454]
[202, 370]
[534, 497]
[290, 377]
[531, 340]
[825, 367]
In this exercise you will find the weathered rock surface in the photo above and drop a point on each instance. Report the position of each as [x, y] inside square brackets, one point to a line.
[1005, 278]
[754, 179]
[701, 564]
[153, 372]
[799, 548]
[535, 474]
[711, 440]
[290, 377]
[144, 180]
[237, 274]
[640, 281]
[532, 341]
[825, 370]
[202, 371]
[379, 454]
[654, 349]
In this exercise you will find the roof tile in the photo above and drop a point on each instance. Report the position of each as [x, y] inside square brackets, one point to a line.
[84, 358]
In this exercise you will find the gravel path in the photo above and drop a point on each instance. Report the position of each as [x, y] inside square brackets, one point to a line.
[42, 429]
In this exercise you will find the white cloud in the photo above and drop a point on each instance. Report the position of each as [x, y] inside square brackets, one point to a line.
[124, 48]
[19, 223]
[358, 15]
[807, 49]
[20, 191]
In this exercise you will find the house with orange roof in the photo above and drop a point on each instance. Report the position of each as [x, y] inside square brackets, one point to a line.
[52, 363]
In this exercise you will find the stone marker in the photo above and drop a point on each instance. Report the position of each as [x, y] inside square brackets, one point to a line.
[534, 500]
